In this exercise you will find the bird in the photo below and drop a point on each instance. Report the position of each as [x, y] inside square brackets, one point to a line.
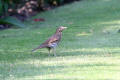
[53, 41]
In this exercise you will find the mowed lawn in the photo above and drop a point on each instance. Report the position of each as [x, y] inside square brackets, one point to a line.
[89, 50]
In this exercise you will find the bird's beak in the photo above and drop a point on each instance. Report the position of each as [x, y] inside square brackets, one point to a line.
[65, 27]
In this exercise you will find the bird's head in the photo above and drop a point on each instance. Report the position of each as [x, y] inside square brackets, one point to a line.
[60, 29]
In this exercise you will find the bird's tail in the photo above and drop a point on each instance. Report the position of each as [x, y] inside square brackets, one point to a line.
[35, 49]
[41, 46]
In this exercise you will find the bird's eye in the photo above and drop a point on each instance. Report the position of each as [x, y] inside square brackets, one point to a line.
[59, 29]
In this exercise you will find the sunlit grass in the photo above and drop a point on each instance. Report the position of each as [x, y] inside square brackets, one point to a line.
[84, 34]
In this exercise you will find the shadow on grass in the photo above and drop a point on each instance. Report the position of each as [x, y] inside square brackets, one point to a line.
[101, 52]
[43, 72]
[13, 56]
[22, 56]
[23, 64]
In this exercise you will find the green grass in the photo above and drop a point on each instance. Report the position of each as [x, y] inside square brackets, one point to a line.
[89, 50]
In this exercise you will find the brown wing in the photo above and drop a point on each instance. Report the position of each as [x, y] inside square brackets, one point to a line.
[52, 39]
[47, 42]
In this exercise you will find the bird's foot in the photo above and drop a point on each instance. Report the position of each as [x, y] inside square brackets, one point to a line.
[49, 55]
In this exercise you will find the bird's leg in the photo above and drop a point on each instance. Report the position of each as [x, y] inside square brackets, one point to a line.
[54, 49]
[49, 51]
